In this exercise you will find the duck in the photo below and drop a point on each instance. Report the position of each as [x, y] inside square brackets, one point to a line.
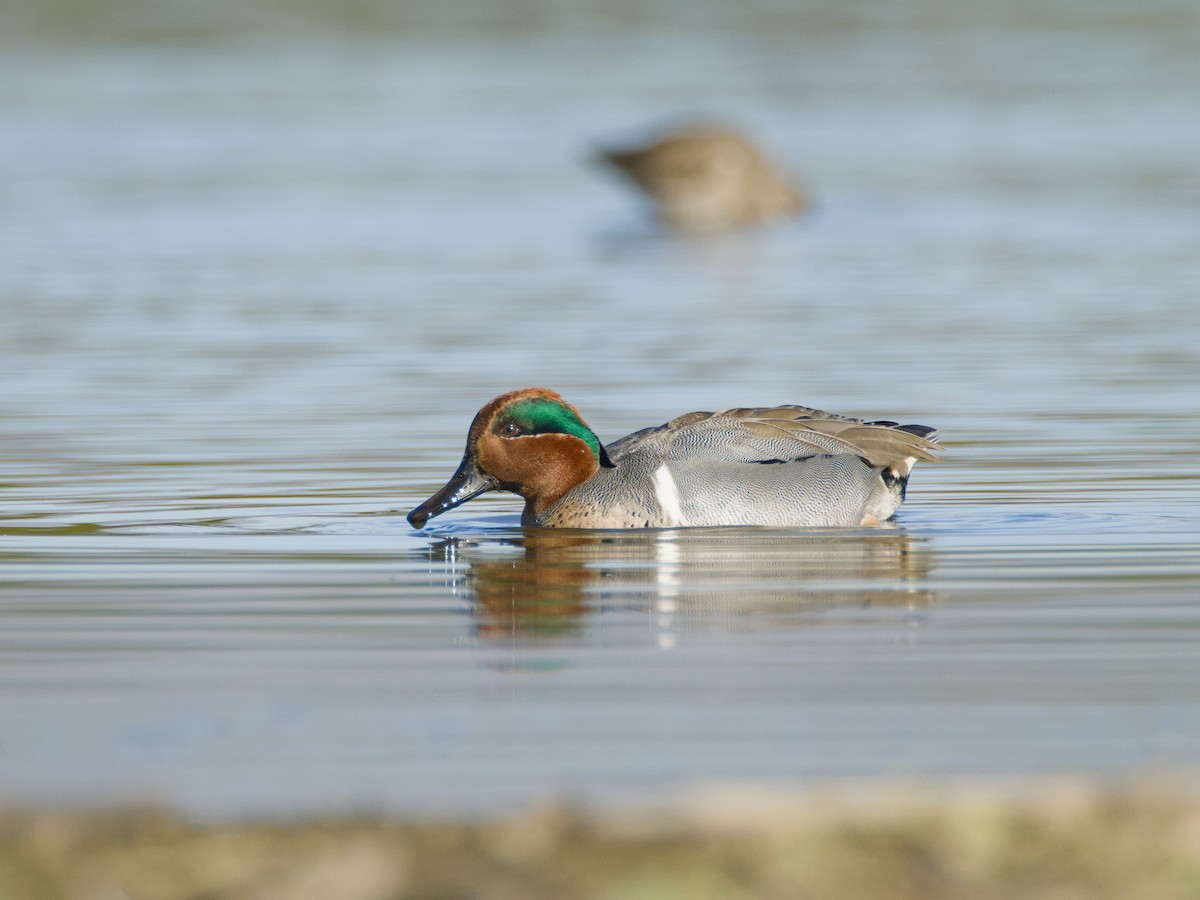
[780, 466]
[706, 178]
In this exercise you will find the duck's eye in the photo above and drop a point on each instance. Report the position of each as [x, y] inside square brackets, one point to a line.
[510, 428]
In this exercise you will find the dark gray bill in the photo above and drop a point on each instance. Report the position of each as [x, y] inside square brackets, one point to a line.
[466, 483]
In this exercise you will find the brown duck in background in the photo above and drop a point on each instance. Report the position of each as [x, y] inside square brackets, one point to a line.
[707, 178]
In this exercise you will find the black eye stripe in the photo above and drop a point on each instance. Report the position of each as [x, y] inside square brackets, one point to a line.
[517, 429]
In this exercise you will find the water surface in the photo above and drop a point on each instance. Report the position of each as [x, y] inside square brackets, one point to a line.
[260, 273]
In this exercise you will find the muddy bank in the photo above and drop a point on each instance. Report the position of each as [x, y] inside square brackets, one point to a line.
[1058, 839]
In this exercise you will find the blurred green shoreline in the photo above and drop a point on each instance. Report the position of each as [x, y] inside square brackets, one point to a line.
[1048, 837]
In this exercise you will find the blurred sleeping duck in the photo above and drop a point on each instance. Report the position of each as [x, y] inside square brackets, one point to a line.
[707, 178]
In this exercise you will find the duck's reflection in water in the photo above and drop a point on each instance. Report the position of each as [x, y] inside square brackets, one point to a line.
[548, 582]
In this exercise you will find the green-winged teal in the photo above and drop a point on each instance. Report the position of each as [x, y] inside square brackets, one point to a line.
[708, 178]
[781, 466]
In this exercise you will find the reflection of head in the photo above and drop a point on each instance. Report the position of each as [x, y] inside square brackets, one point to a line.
[524, 596]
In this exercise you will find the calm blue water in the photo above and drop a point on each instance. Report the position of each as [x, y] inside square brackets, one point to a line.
[260, 267]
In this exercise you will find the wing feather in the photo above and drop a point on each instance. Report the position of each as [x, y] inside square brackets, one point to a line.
[781, 433]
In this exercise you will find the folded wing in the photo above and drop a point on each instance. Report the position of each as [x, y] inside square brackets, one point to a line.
[780, 434]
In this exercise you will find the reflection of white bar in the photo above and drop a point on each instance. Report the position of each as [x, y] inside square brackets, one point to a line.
[666, 574]
[666, 571]
[668, 495]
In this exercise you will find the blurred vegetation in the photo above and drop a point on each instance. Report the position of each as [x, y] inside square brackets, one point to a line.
[154, 21]
[177, 20]
[1060, 840]
[151, 21]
